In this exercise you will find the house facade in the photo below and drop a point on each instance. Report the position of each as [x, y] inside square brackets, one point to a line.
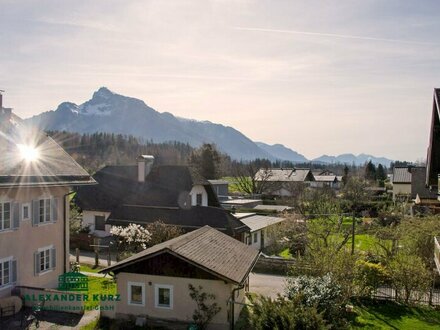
[36, 176]
[284, 182]
[155, 283]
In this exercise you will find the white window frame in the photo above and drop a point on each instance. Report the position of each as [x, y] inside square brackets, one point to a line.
[2, 261]
[46, 200]
[45, 249]
[156, 295]
[3, 202]
[129, 286]
[28, 205]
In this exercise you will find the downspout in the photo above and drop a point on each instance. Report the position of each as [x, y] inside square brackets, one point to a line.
[65, 230]
[240, 287]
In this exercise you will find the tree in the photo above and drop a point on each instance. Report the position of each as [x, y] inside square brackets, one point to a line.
[204, 311]
[345, 176]
[381, 175]
[355, 192]
[206, 160]
[130, 239]
[253, 178]
[370, 171]
[161, 232]
[410, 277]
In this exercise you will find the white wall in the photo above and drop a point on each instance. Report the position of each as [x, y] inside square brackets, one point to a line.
[257, 244]
[198, 189]
[89, 220]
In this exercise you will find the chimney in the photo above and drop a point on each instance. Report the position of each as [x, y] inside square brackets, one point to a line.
[1, 100]
[145, 163]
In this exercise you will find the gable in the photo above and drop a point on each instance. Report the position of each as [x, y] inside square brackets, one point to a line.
[433, 159]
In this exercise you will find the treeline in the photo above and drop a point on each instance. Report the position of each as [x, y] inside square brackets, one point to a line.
[96, 150]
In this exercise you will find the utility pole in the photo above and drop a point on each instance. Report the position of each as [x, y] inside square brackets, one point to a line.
[353, 233]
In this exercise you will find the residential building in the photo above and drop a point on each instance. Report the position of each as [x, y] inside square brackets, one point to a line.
[331, 181]
[283, 182]
[36, 176]
[409, 183]
[145, 193]
[154, 283]
[221, 188]
[433, 159]
[401, 183]
[259, 225]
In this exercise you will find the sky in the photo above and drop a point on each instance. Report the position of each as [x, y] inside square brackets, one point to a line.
[320, 77]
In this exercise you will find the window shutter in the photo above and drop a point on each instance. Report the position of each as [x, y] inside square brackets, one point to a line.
[35, 212]
[53, 258]
[15, 215]
[54, 211]
[37, 263]
[14, 271]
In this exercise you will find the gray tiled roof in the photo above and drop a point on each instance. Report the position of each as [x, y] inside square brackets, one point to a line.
[279, 208]
[54, 165]
[283, 174]
[325, 178]
[401, 175]
[206, 248]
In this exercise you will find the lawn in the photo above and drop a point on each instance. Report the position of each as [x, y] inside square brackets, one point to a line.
[89, 269]
[390, 315]
[285, 254]
[99, 285]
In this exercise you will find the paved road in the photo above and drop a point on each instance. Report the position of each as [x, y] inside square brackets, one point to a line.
[267, 285]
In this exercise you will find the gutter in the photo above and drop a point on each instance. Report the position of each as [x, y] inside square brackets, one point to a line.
[65, 229]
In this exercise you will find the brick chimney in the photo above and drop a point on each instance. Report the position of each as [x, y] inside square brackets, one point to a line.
[145, 163]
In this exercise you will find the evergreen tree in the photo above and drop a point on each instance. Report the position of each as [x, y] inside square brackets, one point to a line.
[370, 171]
[381, 175]
[206, 160]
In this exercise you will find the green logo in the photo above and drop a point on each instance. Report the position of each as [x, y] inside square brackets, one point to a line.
[73, 281]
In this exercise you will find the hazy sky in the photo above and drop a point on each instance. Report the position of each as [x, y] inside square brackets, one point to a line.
[317, 76]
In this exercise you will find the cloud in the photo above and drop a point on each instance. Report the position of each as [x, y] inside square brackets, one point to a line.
[334, 35]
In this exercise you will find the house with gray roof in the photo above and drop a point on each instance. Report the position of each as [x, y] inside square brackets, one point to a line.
[409, 183]
[145, 193]
[284, 181]
[154, 283]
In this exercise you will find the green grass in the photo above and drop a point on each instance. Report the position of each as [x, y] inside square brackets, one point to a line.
[99, 285]
[390, 315]
[233, 187]
[89, 268]
[91, 326]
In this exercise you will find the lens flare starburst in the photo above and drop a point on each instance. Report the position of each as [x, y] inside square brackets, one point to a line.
[28, 153]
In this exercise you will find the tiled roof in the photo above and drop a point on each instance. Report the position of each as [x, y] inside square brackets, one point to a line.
[187, 219]
[206, 248]
[401, 175]
[283, 174]
[279, 208]
[54, 166]
[257, 222]
[325, 178]
[418, 184]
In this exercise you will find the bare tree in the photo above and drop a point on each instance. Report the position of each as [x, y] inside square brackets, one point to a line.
[251, 179]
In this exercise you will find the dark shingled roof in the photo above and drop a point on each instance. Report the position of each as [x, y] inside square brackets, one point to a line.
[54, 165]
[205, 248]
[163, 196]
[418, 184]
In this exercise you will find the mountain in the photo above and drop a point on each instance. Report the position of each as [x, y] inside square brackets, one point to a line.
[281, 152]
[360, 159]
[111, 112]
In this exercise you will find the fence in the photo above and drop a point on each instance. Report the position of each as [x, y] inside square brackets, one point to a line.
[388, 293]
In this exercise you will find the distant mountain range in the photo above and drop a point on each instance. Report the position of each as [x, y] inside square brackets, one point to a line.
[111, 112]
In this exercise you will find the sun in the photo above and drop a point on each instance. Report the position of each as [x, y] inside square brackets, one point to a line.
[28, 153]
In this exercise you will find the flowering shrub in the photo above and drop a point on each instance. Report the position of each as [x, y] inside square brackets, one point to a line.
[132, 238]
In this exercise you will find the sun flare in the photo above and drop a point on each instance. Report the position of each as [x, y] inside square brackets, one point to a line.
[28, 153]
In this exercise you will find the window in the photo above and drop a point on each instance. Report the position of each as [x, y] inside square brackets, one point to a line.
[45, 260]
[8, 267]
[99, 222]
[163, 296]
[255, 237]
[44, 215]
[199, 199]
[136, 293]
[26, 211]
[5, 215]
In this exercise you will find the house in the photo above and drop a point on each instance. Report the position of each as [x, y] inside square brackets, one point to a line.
[409, 183]
[145, 193]
[433, 159]
[259, 225]
[240, 203]
[154, 283]
[221, 188]
[401, 183]
[274, 208]
[284, 182]
[36, 177]
[331, 181]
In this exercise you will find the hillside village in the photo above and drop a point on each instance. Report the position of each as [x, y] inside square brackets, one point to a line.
[161, 245]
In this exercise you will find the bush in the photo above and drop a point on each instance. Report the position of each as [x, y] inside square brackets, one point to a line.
[368, 276]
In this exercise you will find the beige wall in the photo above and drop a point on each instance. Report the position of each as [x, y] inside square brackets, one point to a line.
[22, 243]
[88, 219]
[183, 305]
[401, 189]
